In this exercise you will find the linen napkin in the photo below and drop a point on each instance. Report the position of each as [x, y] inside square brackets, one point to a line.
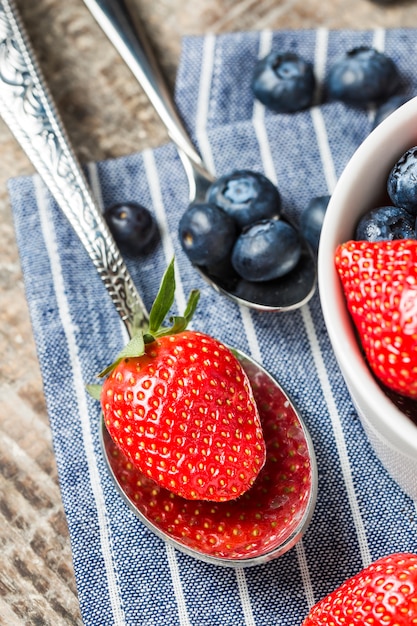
[125, 575]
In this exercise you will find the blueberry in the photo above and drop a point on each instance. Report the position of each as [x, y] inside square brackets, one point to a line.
[266, 250]
[401, 185]
[132, 226]
[206, 234]
[284, 82]
[246, 196]
[388, 107]
[385, 223]
[311, 220]
[363, 76]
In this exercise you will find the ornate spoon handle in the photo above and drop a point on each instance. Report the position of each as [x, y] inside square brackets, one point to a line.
[27, 108]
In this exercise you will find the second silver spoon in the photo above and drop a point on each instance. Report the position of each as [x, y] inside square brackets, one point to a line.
[129, 38]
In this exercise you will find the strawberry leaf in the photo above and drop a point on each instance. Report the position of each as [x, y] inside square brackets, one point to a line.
[180, 322]
[192, 304]
[94, 391]
[135, 347]
[163, 301]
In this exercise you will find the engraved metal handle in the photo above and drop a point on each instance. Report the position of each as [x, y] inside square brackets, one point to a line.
[27, 108]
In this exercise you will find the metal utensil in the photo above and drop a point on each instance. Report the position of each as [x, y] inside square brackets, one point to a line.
[27, 107]
[129, 37]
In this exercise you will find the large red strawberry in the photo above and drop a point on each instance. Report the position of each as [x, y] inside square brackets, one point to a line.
[383, 593]
[180, 407]
[380, 284]
[268, 517]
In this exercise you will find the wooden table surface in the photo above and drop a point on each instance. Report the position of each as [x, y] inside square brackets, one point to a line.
[107, 115]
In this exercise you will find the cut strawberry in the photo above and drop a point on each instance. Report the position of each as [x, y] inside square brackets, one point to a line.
[383, 593]
[269, 515]
[380, 284]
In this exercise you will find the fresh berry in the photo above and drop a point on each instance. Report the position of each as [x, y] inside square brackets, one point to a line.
[180, 407]
[382, 593]
[267, 516]
[401, 185]
[384, 223]
[380, 284]
[246, 196]
[363, 76]
[132, 226]
[266, 250]
[207, 234]
[311, 220]
[388, 107]
[284, 82]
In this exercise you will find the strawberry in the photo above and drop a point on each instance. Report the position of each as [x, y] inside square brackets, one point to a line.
[180, 407]
[380, 284]
[383, 593]
[267, 516]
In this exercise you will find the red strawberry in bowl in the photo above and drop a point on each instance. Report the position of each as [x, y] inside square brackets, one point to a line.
[179, 406]
[379, 280]
[383, 593]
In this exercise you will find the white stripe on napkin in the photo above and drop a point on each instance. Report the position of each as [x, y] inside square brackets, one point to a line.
[244, 597]
[330, 174]
[178, 590]
[379, 44]
[203, 102]
[258, 121]
[316, 115]
[48, 233]
[207, 155]
[152, 177]
[338, 435]
[379, 39]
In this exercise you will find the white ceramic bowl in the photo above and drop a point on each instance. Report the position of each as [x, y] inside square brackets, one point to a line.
[361, 187]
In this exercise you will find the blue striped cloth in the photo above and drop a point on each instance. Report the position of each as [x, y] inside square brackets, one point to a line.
[125, 575]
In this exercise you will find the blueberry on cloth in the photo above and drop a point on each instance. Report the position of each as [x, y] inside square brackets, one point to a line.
[132, 226]
[284, 82]
[385, 223]
[311, 220]
[246, 196]
[363, 76]
[206, 234]
[266, 250]
[402, 182]
[388, 107]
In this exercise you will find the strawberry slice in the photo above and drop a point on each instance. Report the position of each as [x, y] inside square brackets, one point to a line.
[269, 515]
[383, 593]
[380, 284]
[180, 407]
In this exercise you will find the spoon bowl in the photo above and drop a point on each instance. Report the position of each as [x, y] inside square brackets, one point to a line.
[129, 38]
[284, 497]
[260, 525]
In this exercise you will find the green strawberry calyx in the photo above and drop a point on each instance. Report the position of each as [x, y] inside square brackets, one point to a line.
[159, 311]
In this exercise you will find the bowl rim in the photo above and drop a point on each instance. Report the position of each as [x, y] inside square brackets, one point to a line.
[394, 131]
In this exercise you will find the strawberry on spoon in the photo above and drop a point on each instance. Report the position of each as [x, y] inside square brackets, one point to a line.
[264, 522]
[180, 407]
[245, 511]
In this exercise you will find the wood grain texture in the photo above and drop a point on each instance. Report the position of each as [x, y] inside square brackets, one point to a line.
[107, 115]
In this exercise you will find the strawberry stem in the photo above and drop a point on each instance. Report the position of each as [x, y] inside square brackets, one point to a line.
[163, 302]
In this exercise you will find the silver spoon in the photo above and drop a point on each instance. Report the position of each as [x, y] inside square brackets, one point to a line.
[129, 38]
[27, 108]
